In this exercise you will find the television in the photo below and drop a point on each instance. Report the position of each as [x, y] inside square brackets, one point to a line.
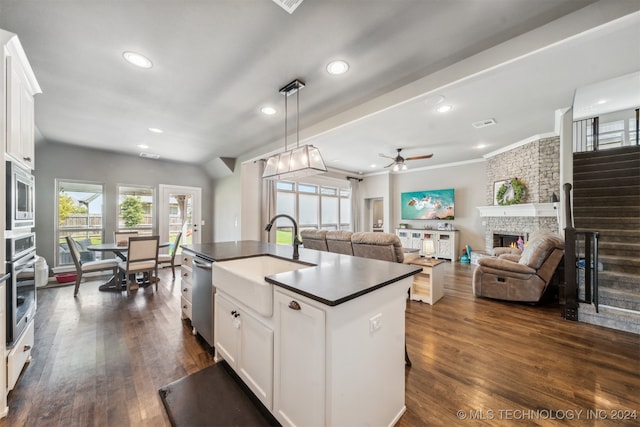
[428, 204]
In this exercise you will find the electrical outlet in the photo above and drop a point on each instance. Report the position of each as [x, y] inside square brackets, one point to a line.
[375, 323]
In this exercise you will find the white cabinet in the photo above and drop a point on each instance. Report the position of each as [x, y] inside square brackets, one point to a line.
[445, 243]
[246, 344]
[299, 383]
[20, 355]
[427, 286]
[186, 286]
[20, 88]
[330, 361]
[3, 374]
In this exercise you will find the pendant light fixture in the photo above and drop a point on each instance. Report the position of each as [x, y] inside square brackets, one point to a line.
[300, 161]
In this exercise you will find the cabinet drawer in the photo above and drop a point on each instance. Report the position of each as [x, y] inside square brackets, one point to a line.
[186, 260]
[185, 306]
[186, 291]
[19, 355]
[185, 275]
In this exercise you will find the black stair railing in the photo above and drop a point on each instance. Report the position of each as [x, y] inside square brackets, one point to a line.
[570, 310]
[580, 255]
[587, 263]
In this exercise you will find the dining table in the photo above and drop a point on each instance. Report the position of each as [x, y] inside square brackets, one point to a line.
[113, 284]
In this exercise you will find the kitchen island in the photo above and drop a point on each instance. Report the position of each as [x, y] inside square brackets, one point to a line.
[328, 347]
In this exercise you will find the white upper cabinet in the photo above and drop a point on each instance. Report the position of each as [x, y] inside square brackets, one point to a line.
[19, 90]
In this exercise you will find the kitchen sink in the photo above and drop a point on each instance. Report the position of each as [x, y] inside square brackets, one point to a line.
[243, 279]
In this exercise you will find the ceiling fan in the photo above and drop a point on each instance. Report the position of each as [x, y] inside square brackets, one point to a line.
[398, 160]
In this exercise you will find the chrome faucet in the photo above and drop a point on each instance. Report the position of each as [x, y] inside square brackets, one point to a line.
[296, 239]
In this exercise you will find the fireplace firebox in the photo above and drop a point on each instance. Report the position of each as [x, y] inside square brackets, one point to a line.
[508, 239]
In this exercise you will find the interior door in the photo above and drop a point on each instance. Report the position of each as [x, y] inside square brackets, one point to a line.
[180, 210]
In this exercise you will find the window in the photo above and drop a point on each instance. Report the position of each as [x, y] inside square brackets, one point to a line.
[135, 209]
[313, 206]
[80, 215]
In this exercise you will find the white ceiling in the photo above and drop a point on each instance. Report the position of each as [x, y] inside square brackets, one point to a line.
[217, 62]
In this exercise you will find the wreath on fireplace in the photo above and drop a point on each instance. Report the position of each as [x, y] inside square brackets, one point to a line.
[511, 192]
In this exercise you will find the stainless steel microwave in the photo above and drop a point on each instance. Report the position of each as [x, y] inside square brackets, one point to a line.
[20, 197]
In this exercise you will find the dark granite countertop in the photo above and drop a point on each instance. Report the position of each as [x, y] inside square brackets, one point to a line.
[331, 279]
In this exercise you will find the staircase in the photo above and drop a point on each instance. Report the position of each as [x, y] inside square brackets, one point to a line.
[606, 198]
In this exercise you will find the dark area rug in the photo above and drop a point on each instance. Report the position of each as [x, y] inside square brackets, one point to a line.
[213, 396]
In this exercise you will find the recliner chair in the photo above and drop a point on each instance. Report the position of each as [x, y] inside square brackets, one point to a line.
[523, 279]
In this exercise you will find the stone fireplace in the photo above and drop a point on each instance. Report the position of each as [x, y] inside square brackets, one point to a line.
[535, 161]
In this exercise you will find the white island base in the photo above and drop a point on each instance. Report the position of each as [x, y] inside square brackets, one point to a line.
[340, 365]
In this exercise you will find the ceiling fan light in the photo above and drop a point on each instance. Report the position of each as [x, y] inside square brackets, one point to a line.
[396, 167]
[404, 167]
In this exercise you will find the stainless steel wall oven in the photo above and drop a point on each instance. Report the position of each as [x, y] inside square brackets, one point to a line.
[21, 287]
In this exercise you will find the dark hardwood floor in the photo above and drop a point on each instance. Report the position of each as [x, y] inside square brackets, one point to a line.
[100, 359]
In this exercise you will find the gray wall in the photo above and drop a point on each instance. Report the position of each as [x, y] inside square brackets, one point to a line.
[61, 161]
[467, 179]
[231, 214]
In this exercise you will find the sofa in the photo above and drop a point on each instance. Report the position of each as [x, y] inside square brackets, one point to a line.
[523, 277]
[339, 241]
[314, 239]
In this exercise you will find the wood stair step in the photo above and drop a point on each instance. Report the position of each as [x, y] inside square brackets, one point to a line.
[608, 200]
[605, 172]
[607, 211]
[622, 190]
[607, 182]
[623, 281]
[611, 155]
[579, 168]
[595, 223]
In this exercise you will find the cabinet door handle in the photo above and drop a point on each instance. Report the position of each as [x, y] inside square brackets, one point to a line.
[185, 290]
[294, 305]
[26, 348]
[27, 159]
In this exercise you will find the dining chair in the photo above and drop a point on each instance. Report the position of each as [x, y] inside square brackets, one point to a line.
[142, 257]
[171, 256]
[88, 267]
[121, 238]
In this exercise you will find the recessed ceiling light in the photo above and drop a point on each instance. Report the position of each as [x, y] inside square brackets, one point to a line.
[337, 67]
[372, 166]
[156, 130]
[602, 101]
[481, 146]
[137, 59]
[269, 111]
[444, 108]
[143, 146]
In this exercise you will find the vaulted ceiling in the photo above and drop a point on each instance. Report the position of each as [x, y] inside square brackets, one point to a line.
[217, 63]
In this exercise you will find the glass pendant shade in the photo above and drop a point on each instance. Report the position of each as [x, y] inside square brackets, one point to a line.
[298, 162]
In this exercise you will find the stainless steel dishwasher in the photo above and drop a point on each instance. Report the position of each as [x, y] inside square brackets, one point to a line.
[202, 299]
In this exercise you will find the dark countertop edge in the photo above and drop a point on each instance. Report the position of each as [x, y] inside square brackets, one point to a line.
[264, 251]
[4, 278]
[339, 301]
